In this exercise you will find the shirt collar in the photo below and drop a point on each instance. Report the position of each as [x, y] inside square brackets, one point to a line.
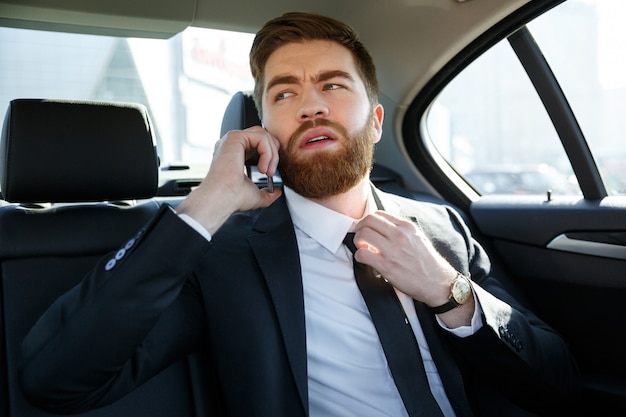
[322, 224]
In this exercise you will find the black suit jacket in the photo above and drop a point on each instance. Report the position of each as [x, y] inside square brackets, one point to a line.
[236, 304]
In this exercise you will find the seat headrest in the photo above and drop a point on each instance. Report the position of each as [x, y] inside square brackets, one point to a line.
[76, 151]
[241, 113]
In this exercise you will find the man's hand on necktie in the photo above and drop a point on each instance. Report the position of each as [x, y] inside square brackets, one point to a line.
[400, 251]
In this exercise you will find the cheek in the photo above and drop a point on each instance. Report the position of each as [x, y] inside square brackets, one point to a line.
[278, 128]
[353, 114]
[355, 125]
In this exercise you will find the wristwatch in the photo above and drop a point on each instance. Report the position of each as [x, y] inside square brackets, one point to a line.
[460, 291]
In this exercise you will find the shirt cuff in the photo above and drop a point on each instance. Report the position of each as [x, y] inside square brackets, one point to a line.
[196, 226]
[475, 324]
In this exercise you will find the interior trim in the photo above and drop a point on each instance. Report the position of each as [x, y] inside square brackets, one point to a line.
[607, 250]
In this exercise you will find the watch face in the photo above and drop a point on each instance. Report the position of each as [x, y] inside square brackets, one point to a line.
[461, 290]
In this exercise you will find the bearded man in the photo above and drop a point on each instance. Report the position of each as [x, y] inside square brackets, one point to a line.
[265, 285]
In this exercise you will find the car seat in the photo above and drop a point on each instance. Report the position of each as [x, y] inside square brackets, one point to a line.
[77, 180]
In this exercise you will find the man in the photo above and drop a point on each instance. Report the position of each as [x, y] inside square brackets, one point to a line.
[262, 282]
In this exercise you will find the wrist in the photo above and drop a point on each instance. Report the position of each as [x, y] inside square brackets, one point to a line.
[460, 292]
[206, 208]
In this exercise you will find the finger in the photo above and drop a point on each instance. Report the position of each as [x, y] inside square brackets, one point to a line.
[374, 221]
[396, 220]
[380, 231]
[267, 146]
[368, 254]
[374, 230]
[391, 227]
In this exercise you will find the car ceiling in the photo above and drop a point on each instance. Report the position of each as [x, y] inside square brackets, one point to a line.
[393, 30]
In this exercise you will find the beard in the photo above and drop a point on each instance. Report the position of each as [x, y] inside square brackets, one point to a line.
[326, 173]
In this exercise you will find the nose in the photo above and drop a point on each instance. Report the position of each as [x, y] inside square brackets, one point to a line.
[312, 106]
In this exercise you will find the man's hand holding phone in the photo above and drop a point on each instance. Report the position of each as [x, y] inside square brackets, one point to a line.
[226, 188]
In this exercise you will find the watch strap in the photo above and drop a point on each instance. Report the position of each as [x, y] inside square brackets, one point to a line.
[444, 308]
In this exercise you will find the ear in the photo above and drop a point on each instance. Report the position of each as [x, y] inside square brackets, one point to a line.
[379, 115]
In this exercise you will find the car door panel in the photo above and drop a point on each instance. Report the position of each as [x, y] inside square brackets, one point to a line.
[567, 257]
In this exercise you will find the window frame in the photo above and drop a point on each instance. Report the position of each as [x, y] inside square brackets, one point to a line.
[560, 112]
[443, 176]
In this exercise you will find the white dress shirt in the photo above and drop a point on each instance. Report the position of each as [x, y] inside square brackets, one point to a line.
[347, 369]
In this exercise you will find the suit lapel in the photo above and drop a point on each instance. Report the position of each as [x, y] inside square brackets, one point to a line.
[274, 245]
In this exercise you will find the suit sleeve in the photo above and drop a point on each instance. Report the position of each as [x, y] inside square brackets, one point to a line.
[134, 314]
[515, 351]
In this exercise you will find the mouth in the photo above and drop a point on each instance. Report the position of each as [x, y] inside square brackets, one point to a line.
[318, 137]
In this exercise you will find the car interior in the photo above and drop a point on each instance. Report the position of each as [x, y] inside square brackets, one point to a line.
[80, 176]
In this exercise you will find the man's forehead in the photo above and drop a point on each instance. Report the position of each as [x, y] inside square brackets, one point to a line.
[317, 50]
[310, 59]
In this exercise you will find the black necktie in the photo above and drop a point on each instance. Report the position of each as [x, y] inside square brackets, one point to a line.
[397, 338]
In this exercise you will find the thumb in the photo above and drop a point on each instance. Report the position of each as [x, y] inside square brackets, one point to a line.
[267, 197]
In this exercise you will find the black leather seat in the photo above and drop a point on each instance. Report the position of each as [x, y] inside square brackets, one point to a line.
[241, 113]
[77, 179]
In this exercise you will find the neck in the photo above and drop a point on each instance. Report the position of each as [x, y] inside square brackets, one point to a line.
[351, 203]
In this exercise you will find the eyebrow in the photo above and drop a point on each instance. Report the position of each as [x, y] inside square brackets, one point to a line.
[323, 76]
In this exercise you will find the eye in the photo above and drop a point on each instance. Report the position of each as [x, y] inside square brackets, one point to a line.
[283, 95]
[332, 86]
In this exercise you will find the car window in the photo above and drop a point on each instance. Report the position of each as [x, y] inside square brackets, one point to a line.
[589, 62]
[491, 126]
[185, 81]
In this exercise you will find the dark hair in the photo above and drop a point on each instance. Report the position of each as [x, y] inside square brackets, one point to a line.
[298, 27]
